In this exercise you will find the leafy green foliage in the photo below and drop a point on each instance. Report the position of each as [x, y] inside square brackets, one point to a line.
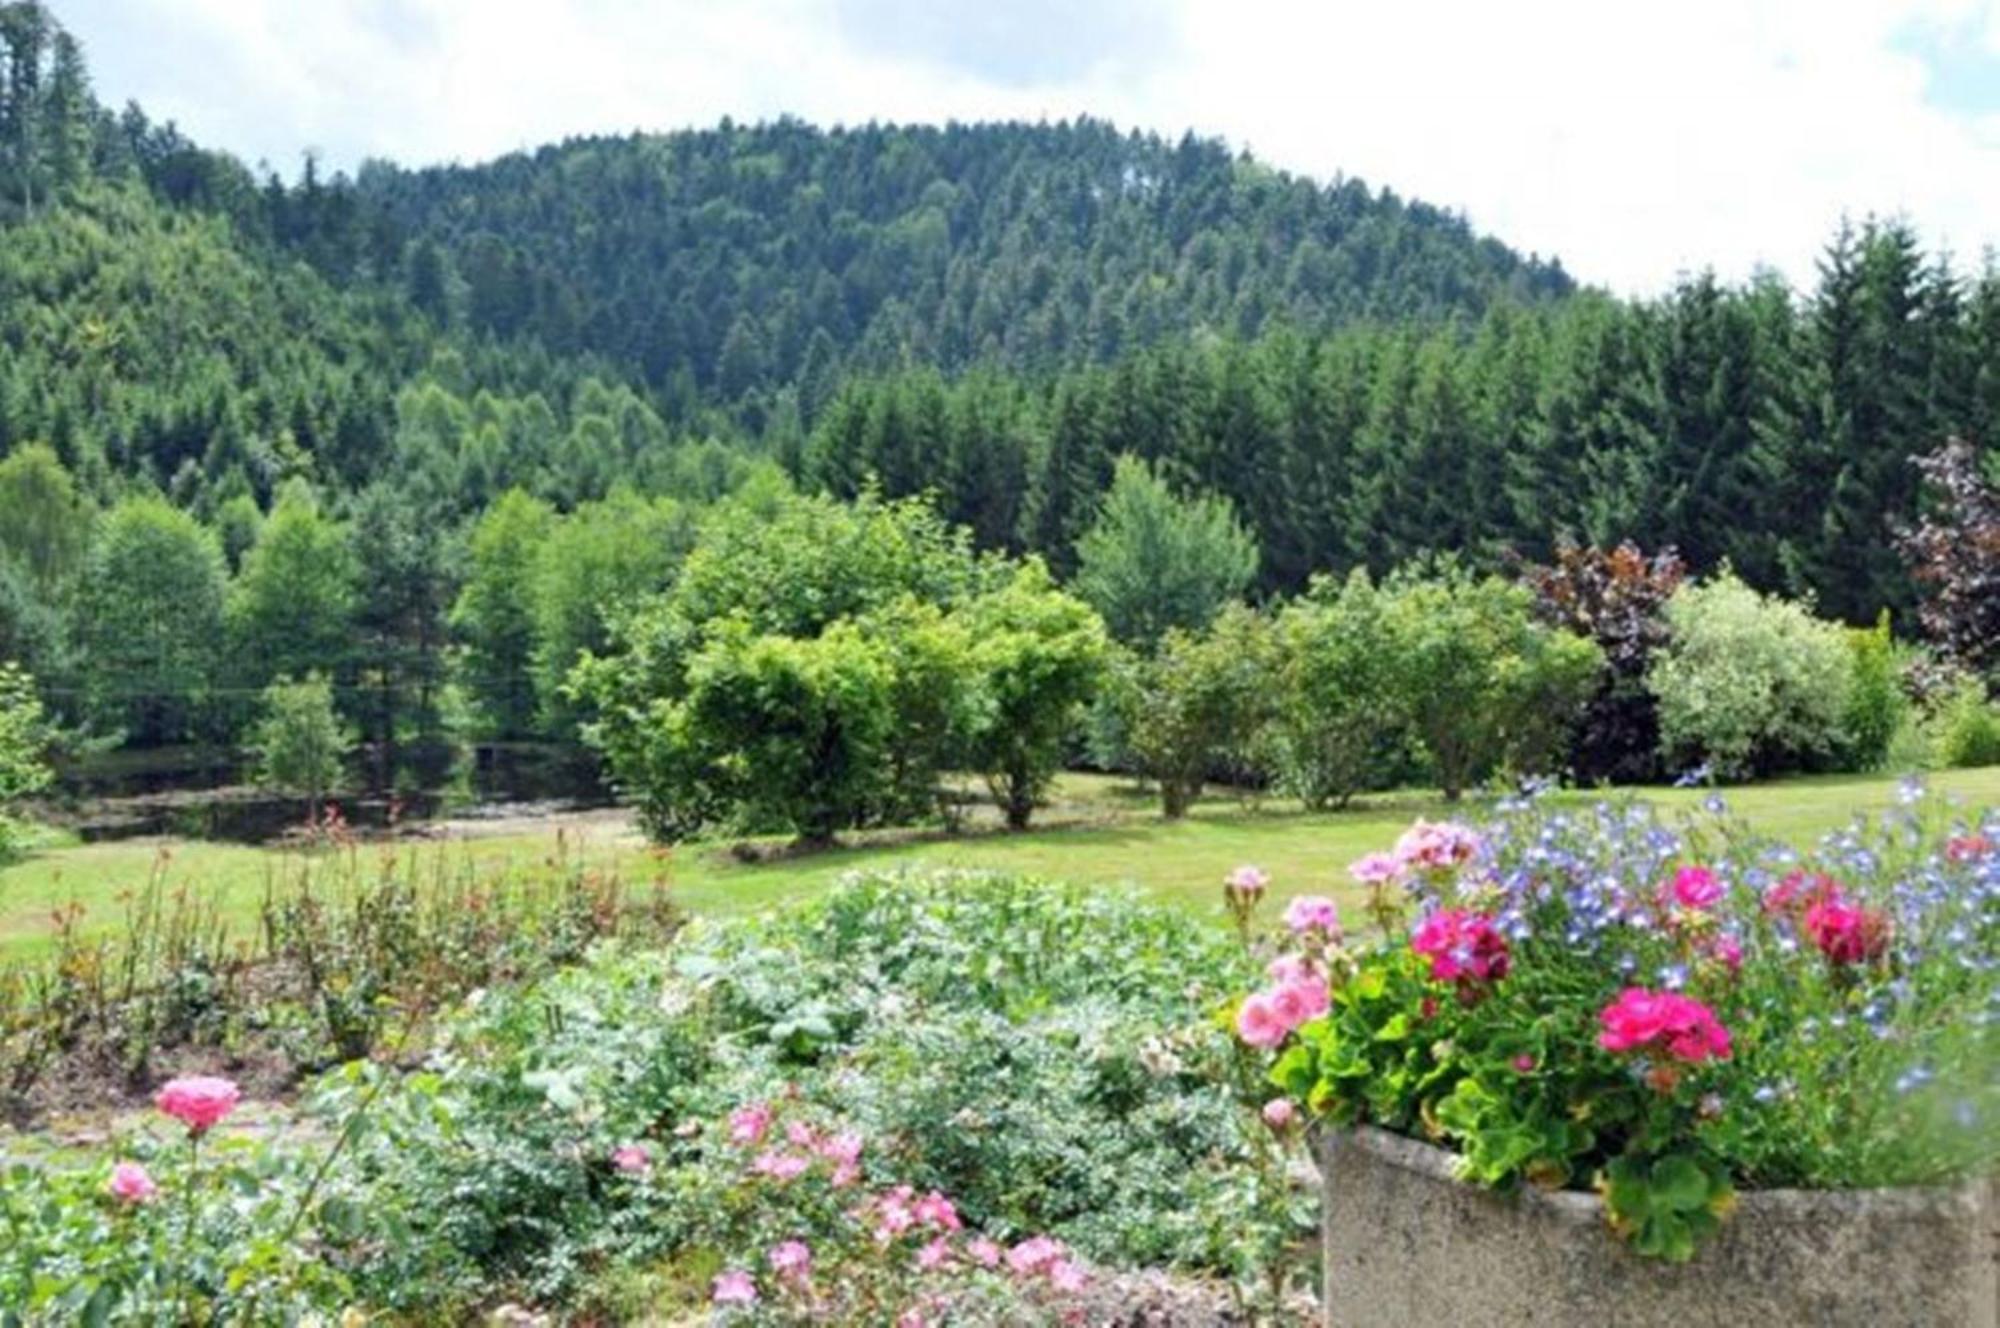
[494, 614]
[1202, 704]
[23, 741]
[1154, 561]
[1482, 682]
[299, 740]
[1338, 722]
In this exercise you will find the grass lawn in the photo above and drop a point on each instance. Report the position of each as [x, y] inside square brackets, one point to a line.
[1102, 831]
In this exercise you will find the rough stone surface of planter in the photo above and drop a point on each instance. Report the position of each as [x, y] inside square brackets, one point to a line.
[1408, 1244]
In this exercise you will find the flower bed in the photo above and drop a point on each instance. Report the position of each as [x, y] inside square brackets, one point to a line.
[1594, 1000]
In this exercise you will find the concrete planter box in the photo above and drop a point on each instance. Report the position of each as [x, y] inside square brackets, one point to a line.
[1406, 1243]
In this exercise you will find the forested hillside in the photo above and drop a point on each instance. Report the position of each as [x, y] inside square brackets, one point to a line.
[299, 405]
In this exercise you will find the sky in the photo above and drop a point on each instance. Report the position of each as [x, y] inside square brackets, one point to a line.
[1635, 141]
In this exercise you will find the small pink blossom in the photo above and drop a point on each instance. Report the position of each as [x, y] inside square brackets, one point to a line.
[1293, 968]
[983, 1252]
[934, 1255]
[1376, 868]
[1036, 1255]
[748, 1124]
[1728, 951]
[1279, 1113]
[1524, 1063]
[1067, 1277]
[734, 1287]
[802, 1135]
[1247, 881]
[1436, 845]
[1313, 913]
[937, 1211]
[779, 1166]
[1799, 889]
[791, 1260]
[130, 1184]
[632, 1159]
[1967, 848]
[198, 1102]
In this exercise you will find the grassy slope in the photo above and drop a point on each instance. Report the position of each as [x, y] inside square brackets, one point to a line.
[1109, 834]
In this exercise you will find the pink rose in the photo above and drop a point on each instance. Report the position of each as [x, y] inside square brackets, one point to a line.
[1845, 932]
[632, 1159]
[1279, 1113]
[748, 1124]
[791, 1260]
[198, 1102]
[734, 1287]
[1314, 913]
[130, 1183]
[1259, 1023]
[936, 1210]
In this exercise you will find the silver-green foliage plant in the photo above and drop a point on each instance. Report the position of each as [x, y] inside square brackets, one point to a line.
[1747, 683]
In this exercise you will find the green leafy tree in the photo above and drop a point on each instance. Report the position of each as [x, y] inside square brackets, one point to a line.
[1483, 683]
[1338, 725]
[23, 741]
[1155, 561]
[299, 740]
[152, 622]
[1038, 656]
[44, 523]
[291, 608]
[1203, 703]
[495, 612]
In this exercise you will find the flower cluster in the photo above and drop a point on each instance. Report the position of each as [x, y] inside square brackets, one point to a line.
[1664, 1021]
[1644, 1002]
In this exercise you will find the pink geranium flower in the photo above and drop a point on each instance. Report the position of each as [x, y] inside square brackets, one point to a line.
[1259, 1023]
[632, 1159]
[1696, 888]
[130, 1184]
[1463, 946]
[1665, 1021]
[1436, 845]
[1314, 913]
[1376, 868]
[734, 1287]
[198, 1102]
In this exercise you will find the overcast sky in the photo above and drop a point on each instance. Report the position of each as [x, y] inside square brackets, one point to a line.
[1636, 141]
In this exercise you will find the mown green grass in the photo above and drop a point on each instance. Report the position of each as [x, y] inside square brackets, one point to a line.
[1105, 833]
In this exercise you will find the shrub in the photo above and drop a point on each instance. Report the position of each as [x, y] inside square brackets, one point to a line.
[1878, 707]
[1338, 725]
[1616, 598]
[1967, 728]
[1954, 556]
[1597, 999]
[1749, 685]
[1201, 704]
[1484, 685]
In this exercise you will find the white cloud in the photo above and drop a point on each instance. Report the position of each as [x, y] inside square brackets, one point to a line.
[1634, 141]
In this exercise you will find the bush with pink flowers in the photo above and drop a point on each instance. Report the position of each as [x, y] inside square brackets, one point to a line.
[1665, 1013]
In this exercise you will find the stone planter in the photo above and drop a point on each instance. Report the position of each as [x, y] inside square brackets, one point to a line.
[1407, 1244]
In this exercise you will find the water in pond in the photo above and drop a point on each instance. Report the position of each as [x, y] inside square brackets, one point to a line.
[192, 795]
